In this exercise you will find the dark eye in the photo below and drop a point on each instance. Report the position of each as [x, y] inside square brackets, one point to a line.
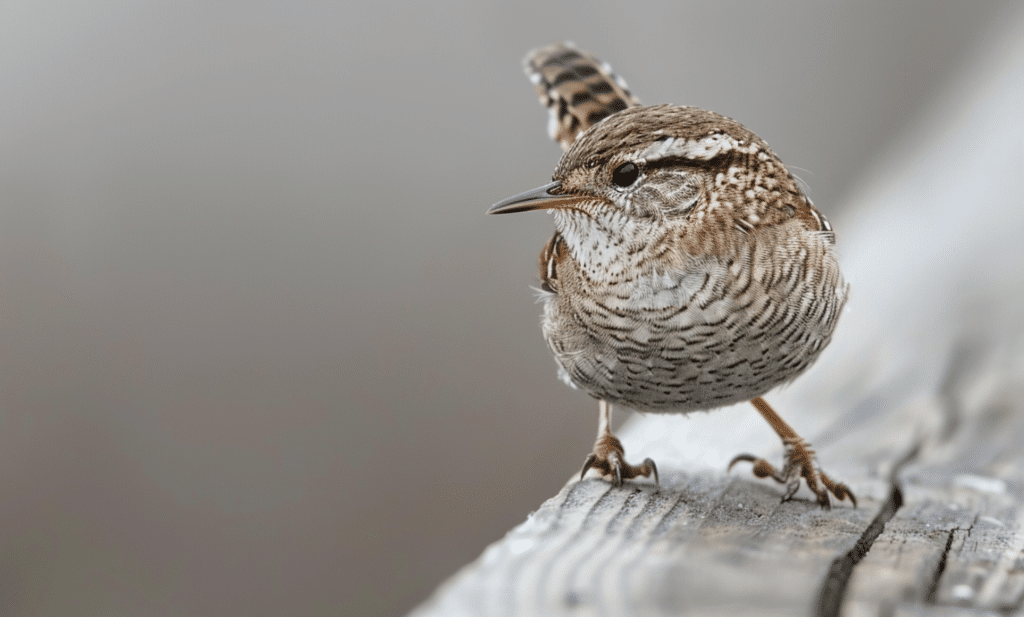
[625, 175]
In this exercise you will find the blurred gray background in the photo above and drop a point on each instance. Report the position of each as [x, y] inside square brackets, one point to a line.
[261, 352]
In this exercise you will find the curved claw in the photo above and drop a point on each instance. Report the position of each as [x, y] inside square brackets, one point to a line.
[650, 468]
[793, 487]
[840, 490]
[750, 458]
[800, 463]
[609, 462]
[587, 464]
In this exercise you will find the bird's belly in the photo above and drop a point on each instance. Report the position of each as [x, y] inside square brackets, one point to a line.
[695, 353]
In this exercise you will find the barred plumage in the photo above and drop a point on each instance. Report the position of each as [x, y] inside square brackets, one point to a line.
[688, 270]
[578, 90]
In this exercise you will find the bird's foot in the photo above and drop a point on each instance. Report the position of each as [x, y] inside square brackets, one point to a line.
[800, 462]
[608, 457]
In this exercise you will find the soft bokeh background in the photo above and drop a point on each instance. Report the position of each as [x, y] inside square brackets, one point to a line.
[261, 352]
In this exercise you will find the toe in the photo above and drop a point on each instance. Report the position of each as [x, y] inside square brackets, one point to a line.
[840, 490]
[749, 458]
[610, 462]
[761, 469]
[800, 462]
[823, 500]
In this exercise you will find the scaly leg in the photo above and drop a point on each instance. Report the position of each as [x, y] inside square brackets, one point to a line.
[800, 462]
[608, 455]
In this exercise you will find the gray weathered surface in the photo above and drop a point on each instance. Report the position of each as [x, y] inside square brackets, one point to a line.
[930, 353]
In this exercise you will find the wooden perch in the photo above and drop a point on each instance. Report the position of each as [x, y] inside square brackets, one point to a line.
[918, 405]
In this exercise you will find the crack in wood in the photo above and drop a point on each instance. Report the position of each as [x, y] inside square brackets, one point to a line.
[933, 588]
[833, 590]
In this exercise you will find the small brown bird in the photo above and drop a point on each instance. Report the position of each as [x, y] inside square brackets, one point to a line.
[688, 270]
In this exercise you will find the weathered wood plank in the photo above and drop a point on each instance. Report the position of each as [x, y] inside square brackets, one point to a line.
[958, 540]
[918, 405]
[642, 551]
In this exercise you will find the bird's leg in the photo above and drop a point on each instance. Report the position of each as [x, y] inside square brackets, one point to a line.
[608, 456]
[799, 460]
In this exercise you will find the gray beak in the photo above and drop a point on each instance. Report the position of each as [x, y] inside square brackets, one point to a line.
[540, 198]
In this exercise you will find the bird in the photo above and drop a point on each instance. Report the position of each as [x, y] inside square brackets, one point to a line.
[688, 269]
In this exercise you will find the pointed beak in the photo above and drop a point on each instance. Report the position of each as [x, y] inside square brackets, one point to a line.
[540, 198]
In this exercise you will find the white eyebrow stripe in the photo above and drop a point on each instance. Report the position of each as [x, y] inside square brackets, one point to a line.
[665, 145]
[703, 149]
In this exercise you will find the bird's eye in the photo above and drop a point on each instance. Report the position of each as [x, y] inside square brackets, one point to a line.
[625, 175]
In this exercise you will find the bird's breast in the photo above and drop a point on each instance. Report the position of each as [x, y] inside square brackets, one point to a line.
[712, 332]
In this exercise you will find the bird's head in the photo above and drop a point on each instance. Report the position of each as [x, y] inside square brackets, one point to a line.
[647, 174]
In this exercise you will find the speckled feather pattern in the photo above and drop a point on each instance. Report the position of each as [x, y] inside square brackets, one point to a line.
[709, 281]
[709, 332]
